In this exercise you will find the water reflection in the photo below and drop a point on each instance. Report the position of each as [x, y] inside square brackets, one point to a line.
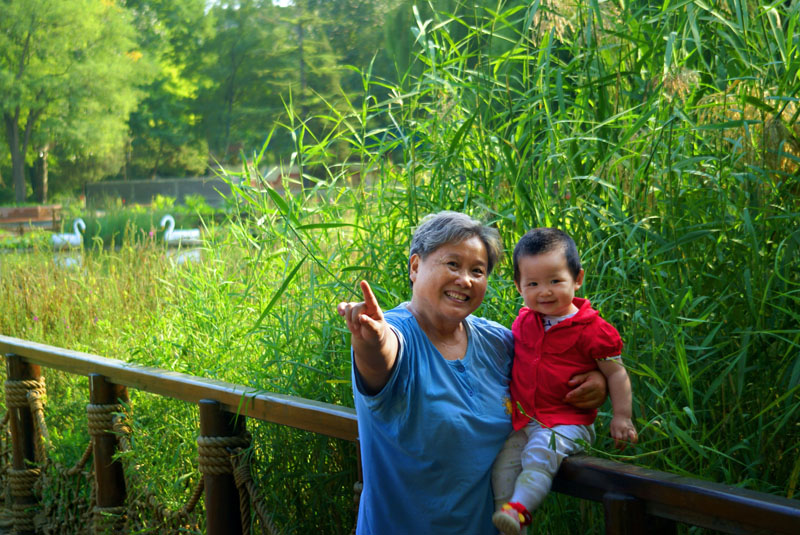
[182, 256]
[68, 259]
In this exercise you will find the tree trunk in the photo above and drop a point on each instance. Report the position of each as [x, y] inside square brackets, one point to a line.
[19, 148]
[40, 175]
[158, 159]
[230, 97]
[17, 158]
[128, 143]
[302, 68]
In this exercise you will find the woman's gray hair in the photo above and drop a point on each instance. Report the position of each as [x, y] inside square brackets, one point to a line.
[447, 227]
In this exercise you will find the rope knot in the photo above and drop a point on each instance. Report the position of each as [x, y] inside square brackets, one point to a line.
[101, 417]
[21, 393]
[29, 394]
[21, 483]
[214, 453]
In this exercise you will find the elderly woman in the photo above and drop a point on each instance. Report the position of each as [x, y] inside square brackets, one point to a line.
[430, 382]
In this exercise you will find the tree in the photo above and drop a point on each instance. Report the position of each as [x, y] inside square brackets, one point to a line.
[354, 29]
[251, 65]
[165, 136]
[68, 75]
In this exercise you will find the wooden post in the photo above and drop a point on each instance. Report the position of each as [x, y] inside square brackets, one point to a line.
[20, 421]
[661, 526]
[108, 473]
[221, 495]
[358, 486]
[625, 515]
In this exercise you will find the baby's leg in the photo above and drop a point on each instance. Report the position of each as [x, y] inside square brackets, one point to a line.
[507, 467]
[541, 458]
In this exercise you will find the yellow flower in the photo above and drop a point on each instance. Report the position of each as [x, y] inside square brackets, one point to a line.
[508, 406]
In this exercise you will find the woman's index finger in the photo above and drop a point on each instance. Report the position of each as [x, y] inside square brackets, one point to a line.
[370, 301]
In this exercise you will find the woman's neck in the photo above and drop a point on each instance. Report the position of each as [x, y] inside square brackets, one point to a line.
[449, 338]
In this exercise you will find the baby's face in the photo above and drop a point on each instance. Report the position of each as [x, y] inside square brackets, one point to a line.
[546, 285]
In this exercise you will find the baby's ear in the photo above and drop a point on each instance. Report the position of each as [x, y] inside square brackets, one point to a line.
[516, 285]
[579, 280]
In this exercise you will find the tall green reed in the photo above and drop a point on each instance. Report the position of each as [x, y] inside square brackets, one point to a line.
[644, 131]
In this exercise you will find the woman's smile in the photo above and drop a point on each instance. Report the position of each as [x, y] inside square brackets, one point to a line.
[457, 296]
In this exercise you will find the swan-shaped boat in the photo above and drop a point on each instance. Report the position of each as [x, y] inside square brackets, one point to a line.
[75, 239]
[179, 236]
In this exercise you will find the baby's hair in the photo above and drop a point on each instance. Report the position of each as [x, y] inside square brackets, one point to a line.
[543, 240]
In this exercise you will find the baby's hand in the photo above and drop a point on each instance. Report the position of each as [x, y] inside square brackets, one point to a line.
[623, 432]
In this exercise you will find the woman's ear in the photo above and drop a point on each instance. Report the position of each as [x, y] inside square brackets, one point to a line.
[413, 267]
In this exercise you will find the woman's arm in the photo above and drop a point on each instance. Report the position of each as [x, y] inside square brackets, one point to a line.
[374, 344]
[589, 390]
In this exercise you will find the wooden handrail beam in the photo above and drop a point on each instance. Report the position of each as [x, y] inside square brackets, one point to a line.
[701, 503]
[324, 418]
[625, 487]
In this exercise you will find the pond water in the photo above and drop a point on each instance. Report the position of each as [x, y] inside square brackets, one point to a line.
[68, 258]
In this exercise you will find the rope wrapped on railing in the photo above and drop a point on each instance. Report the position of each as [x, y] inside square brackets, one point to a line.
[21, 483]
[27, 394]
[217, 455]
[248, 493]
[101, 417]
[214, 453]
[214, 458]
[5, 452]
[231, 455]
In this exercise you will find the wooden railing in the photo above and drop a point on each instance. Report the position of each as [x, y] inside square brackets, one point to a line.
[636, 500]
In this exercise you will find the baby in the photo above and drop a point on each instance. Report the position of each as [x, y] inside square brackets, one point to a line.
[556, 336]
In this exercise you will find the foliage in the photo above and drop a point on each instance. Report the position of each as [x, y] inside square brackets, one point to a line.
[28, 240]
[355, 31]
[164, 138]
[250, 62]
[55, 58]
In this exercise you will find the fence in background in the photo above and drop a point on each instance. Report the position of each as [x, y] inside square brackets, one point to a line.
[211, 189]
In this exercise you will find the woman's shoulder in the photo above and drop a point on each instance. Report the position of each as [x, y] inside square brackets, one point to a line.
[487, 328]
[399, 314]
[485, 323]
[401, 319]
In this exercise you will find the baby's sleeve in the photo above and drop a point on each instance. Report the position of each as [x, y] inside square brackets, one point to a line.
[604, 342]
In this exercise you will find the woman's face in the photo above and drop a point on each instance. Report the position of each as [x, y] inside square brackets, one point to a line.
[449, 284]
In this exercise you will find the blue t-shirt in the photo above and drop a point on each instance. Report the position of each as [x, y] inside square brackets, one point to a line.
[430, 436]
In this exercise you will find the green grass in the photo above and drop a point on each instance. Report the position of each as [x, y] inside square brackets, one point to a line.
[680, 196]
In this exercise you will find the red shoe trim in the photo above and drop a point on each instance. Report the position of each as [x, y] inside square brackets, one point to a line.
[525, 517]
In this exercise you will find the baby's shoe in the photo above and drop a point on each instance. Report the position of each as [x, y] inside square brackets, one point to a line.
[511, 519]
